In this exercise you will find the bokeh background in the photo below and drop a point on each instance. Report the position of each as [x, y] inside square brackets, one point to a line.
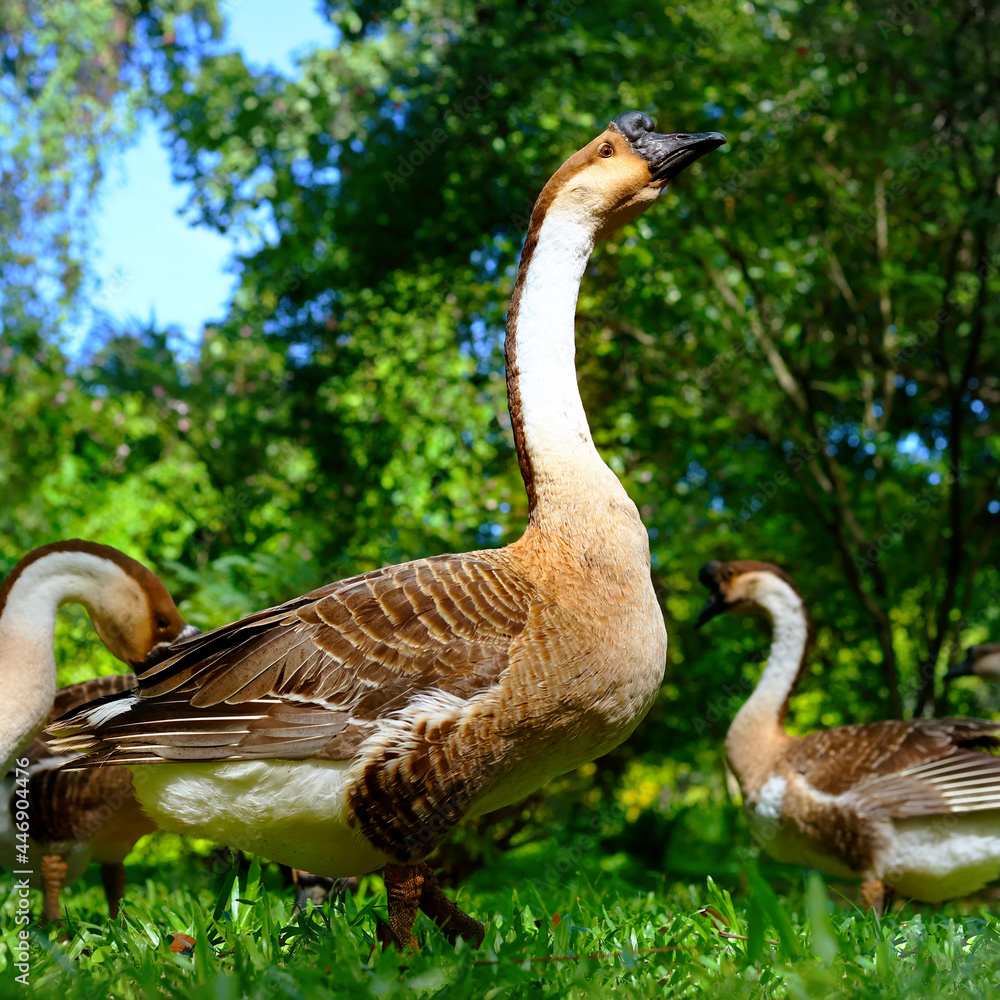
[793, 357]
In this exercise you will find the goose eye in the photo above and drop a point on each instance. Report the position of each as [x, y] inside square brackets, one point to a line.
[606, 149]
[162, 623]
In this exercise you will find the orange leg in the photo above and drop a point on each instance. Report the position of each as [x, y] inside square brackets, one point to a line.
[414, 887]
[454, 922]
[113, 878]
[54, 869]
[403, 886]
[874, 894]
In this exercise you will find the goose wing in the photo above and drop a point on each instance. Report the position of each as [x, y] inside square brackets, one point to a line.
[73, 696]
[312, 677]
[898, 769]
[71, 805]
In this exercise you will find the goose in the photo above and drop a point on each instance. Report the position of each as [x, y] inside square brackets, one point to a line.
[905, 805]
[132, 613]
[980, 661]
[349, 729]
[74, 816]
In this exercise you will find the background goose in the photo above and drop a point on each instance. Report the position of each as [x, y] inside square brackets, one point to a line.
[75, 817]
[350, 728]
[131, 610]
[912, 805]
[980, 661]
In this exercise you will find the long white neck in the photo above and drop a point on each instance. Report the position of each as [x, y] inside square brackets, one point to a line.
[559, 461]
[760, 718]
[27, 632]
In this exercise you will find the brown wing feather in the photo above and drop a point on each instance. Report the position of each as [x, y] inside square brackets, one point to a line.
[409, 661]
[167, 727]
[74, 696]
[361, 649]
[414, 788]
[906, 768]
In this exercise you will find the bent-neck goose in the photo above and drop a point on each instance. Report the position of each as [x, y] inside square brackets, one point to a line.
[73, 817]
[980, 661]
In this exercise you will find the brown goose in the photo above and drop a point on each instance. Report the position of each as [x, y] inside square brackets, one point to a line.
[349, 729]
[74, 817]
[906, 805]
[131, 610]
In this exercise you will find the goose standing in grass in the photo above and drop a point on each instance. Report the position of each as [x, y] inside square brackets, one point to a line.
[907, 805]
[349, 729]
[75, 817]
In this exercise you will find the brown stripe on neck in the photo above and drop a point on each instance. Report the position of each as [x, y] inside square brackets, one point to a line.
[569, 169]
[144, 577]
[512, 370]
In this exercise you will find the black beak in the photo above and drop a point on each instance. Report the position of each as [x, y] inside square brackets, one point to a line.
[188, 632]
[716, 603]
[667, 155]
[963, 669]
[164, 649]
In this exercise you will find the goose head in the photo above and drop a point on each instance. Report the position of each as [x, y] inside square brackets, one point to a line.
[131, 610]
[744, 586]
[135, 617]
[618, 175]
[982, 661]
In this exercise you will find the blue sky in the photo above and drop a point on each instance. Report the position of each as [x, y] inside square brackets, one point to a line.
[150, 261]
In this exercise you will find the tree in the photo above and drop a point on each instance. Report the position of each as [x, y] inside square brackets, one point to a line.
[829, 367]
[789, 359]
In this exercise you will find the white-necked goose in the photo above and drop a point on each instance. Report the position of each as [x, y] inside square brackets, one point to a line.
[910, 805]
[74, 816]
[350, 728]
[130, 608]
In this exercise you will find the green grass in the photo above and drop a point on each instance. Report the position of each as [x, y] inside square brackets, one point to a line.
[591, 933]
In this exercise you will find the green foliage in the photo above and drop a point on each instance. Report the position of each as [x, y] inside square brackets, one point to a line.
[786, 359]
[789, 358]
[68, 75]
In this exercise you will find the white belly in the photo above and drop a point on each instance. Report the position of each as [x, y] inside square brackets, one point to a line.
[943, 857]
[778, 835]
[291, 811]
